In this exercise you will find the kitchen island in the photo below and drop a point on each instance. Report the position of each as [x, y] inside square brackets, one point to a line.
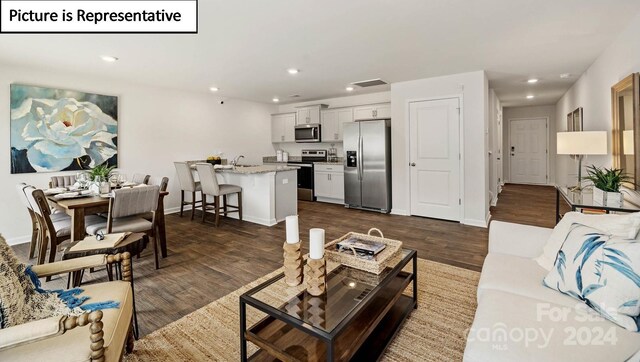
[269, 193]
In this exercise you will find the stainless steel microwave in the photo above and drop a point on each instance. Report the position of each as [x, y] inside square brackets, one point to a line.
[308, 133]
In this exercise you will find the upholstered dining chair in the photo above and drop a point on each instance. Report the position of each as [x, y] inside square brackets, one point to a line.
[139, 178]
[127, 208]
[62, 181]
[53, 229]
[188, 184]
[35, 227]
[162, 182]
[211, 187]
[34, 221]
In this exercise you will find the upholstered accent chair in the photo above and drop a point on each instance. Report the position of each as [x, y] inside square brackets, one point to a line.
[188, 184]
[211, 187]
[127, 209]
[99, 336]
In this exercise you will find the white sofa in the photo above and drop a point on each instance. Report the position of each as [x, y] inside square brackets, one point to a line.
[519, 319]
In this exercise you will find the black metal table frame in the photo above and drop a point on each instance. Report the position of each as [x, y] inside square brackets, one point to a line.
[328, 338]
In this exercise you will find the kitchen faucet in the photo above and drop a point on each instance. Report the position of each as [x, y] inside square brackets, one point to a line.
[236, 160]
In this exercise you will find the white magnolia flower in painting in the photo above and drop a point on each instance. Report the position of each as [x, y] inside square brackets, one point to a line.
[56, 132]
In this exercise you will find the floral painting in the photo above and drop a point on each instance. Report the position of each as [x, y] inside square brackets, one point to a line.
[61, 130]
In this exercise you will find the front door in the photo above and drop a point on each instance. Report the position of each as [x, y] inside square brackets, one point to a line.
[435, 158]
[528, 150]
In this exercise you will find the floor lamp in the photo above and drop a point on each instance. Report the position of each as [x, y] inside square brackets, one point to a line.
[580, 144]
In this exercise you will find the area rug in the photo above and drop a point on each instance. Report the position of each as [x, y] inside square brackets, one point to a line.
[436, 331]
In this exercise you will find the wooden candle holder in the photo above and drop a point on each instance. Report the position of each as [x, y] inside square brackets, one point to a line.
[316, 276]
[292, 264]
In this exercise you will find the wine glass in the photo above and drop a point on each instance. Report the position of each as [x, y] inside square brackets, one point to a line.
[122, 179]
[81, 177]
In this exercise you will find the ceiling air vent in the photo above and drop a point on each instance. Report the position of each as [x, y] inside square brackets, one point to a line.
[370, 83]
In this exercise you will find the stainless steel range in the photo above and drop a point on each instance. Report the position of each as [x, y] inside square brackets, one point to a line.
[305, 172]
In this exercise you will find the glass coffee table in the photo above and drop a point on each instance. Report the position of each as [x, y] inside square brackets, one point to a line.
[356, 319]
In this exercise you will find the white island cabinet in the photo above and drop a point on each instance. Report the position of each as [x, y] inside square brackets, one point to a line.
[269, 193]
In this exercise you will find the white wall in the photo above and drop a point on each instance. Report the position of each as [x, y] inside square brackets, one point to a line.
[474, 89]
[156, 127]
[592, 92]
[549, 112]
[295, 149]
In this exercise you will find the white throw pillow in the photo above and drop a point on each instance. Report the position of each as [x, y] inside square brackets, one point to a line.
[602, 271]
[624, 226]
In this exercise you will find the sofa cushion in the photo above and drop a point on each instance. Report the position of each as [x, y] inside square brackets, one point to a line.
[602, 271]
[510, 327]
[522, 276]
[626, 226]
[74, 345]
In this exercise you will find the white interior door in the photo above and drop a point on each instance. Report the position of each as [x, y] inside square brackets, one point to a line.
[435, 158]
[528, 150]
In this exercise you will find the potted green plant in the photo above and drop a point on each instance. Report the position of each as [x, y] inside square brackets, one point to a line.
[102, 170]
[607, 183]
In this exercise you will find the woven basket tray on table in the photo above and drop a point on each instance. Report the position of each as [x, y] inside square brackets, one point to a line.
[390, 256]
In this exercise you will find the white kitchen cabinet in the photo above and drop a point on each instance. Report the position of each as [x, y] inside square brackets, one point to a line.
[333, 121]
[372, 111]
[283, 127]
[309, 114]
[329, 183]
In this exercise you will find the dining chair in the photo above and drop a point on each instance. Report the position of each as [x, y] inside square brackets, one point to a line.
[162, 182]
[188, 184]
[139, 178]
[211, 187]
[62, 181]
[51, 233]
[126, 210]
[34, 221]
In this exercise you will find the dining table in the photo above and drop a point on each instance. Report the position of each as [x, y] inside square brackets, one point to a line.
[79, 207]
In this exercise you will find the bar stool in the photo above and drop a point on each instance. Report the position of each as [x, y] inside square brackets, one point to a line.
[211, 187]
[187, 183]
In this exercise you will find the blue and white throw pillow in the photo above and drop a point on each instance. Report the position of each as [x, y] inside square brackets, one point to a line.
[602, 271]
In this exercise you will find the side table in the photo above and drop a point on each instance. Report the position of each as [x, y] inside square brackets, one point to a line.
[133, 243]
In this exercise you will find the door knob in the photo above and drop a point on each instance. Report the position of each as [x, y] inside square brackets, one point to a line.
[412, 164]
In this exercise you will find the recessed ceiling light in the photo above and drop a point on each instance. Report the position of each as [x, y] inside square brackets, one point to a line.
[565, 75]
[276, 100]
[108, 58]
[349, 88]
[532, 81]
[214, 89]
[530, 96]
[293, 71]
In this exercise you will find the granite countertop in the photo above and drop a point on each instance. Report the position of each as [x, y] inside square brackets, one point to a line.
[249, 170]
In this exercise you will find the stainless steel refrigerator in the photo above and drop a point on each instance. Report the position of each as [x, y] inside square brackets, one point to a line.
[367, 165]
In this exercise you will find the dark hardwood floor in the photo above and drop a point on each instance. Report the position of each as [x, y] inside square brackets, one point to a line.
[206, 263]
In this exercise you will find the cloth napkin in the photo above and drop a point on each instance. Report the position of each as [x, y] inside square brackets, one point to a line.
[55, 190]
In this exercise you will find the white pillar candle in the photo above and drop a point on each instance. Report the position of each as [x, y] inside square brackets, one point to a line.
[316, 243]
[293, 235]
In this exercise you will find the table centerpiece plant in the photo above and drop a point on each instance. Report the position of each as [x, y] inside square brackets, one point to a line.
[606, 185]
[99, 178]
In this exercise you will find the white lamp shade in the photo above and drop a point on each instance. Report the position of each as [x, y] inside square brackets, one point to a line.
[627, 142]
[582, 143]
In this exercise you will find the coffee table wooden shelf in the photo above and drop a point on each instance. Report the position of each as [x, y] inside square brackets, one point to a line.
[356, 320]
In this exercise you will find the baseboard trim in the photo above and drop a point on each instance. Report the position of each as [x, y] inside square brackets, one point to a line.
[399, 212]
[474, 222]
[19, 240]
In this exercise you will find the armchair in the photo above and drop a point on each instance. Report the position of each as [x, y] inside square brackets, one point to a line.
[98, 336]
